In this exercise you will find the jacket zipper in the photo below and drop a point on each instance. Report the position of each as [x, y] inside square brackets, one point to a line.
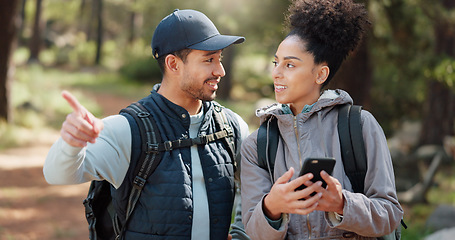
[300, 160]
[308, 224]
[297, 138]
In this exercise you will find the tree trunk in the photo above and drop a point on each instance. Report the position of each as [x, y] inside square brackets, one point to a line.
[90, 22]
[21, 19]
[356, 75]
[99, 37]
[224, 90]
[439, 111]
[8, 30]
[132, 25]
[82, 9]
[36, 39]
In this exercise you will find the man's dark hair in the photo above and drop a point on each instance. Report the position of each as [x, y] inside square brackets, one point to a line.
[182, 54]
[330, 29]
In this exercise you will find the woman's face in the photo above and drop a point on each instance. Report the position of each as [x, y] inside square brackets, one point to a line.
[296, 77]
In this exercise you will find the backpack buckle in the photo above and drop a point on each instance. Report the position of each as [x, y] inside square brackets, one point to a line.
[138, 181]
[229, 131]
[152, 148]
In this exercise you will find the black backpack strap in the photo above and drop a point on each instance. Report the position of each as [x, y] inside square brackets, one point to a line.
[352, 145]
[226, 133]
[149, 158]
[353, 148]
[267, 145]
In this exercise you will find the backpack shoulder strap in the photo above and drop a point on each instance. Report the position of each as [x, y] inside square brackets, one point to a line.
[267, 144]
[353, 149]
[226, 133]
[352, 145]
[149, 158]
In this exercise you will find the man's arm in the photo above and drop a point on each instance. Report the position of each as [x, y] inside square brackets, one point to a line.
[75, 158]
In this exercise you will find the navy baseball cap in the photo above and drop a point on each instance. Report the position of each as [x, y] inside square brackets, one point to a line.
[189, 29]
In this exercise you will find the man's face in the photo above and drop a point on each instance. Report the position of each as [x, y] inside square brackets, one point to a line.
[202, 73]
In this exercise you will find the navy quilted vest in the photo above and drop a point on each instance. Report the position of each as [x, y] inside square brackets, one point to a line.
[165, 208]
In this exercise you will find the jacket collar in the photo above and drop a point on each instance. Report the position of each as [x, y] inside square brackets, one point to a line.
[328, 98]
[175, 111]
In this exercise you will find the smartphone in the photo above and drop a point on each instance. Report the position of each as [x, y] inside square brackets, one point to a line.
[315, 165]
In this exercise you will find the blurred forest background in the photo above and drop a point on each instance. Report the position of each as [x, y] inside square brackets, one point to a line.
[403, 73]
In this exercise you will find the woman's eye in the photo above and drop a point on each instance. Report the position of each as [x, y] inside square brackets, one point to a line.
[209, 60]
[289, 65]
[275, 63]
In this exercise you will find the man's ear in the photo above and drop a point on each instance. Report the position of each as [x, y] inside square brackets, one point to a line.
[172, 63]
[323, 74]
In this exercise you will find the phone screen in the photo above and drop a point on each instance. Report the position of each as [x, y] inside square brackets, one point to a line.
[315, 166]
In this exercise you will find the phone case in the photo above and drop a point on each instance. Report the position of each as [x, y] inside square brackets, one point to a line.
[315, 165]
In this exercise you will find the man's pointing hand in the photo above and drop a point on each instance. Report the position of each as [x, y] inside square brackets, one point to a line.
[80, 126]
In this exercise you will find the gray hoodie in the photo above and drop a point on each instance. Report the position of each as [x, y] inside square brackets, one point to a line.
[315, 134]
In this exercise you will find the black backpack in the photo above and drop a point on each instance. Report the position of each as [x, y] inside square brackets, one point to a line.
[99, 211]
[352, 149]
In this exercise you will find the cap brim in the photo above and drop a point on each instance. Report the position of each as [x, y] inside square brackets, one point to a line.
[217, 42]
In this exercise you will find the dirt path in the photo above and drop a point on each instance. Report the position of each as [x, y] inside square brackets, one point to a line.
[31, 209]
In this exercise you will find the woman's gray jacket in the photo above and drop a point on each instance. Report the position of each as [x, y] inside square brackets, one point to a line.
[315, 134]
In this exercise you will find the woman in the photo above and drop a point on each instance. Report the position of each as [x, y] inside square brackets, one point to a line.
[323, 33]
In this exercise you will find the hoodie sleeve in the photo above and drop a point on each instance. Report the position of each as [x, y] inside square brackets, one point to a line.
[378, 212]
[255, 185]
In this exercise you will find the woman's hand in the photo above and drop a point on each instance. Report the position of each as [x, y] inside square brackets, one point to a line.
[332, 199]
[283, 198]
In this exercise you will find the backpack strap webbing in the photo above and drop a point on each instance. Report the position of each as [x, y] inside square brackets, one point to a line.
[352, 145]
[148, 160]
[226, 133]
[267, 145]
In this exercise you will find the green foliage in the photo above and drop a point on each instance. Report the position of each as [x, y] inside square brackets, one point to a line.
[444, 72]
[399, 85]
[8, 133]
[36, 97]
[142, 69]
[253, 72]
[138, 63]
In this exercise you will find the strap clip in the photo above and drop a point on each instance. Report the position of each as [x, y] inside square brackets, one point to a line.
[138, 181]
[152, 148]
[168, 146]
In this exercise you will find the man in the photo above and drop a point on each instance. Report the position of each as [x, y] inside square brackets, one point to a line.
[191, 192]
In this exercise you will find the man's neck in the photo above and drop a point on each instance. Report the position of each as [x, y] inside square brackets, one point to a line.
[193, 106]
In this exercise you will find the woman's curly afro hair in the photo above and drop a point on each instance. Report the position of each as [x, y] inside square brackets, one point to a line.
[330, 29]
